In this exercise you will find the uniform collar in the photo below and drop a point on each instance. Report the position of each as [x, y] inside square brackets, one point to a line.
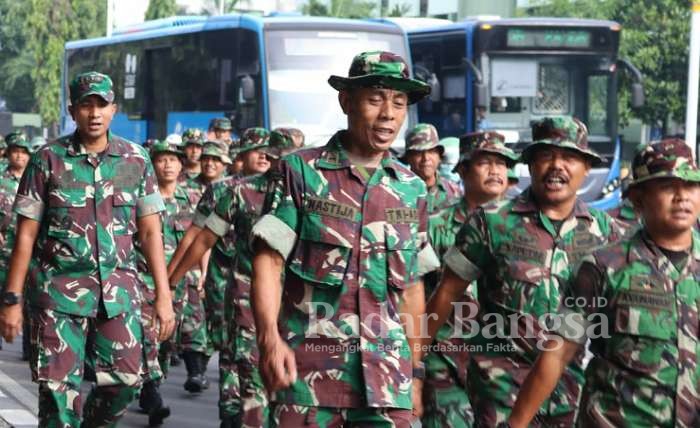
[643, 248]
[525, 203]
[333, 156]
[180, 193]
[8, 174]
[115, 146]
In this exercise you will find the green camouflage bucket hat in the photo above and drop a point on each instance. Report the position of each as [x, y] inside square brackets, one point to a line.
[565, 132]
[193, 136]
[484, 142]
[164, 147]
[218, 150]
[18, 139]
[423, 137]
[91, 83]
[282, 143]
[668, 158]
[381, 69]
[222, 123]
[254, 138]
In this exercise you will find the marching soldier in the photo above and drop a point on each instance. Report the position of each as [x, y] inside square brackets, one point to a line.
[350, 234]
[424, 153]
[193, 141]
[520, 252]
[637, 301]
[83, 200]
[483, 165]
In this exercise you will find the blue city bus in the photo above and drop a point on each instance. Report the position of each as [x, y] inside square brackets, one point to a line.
[181, 72]
[501, 74]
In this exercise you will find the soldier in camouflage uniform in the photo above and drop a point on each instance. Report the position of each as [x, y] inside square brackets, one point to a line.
[3, 158]
[195, 343]
[351, 225]
[521, 253]
[192, 141]
[18, 152]
[423, 154]
[221, 128]
[483, 165]
[219, 271]
[637, 302]
[83, 200]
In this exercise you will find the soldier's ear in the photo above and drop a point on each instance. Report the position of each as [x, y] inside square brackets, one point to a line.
[345, 100]
[115, 108]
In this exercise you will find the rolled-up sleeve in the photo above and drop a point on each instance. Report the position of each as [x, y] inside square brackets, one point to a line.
[205, 207]
[149, 200]
[30, 201]
[471, 251]
[278, 228]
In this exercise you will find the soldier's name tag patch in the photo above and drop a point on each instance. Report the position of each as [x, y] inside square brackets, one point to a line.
[401, 215]
[646, 299]
[331, 208]
[525, 253]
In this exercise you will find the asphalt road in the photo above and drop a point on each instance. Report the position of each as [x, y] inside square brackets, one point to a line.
[18, 396]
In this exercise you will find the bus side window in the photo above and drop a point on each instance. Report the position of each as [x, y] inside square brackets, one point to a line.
[247, 78]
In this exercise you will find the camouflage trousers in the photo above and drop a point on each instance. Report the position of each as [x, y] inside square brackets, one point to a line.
[445, 399]
[193, 330]
[219, 276]
[493, 384]
[229, 386]
[293, 416]
[63, 344]
[151, 363]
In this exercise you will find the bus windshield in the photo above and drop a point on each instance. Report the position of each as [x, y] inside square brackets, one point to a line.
[526, 89]
[298, 66]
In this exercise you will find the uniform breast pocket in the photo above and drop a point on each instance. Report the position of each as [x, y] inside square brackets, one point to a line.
[67, 213]
[641, 336]
[123, 212]
[522, 288]
[401, 254]
[323, 251]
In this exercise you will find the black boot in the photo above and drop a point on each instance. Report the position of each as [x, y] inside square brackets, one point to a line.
[194, 381]
[175, 359]
[231, 422]
[152, 403]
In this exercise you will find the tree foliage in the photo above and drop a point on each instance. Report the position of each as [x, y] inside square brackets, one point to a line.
[655, 38]
[355, 9]
[160, 9]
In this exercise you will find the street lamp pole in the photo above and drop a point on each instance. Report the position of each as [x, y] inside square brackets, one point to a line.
[691, 116]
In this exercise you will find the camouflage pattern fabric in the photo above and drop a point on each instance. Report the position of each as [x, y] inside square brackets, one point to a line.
[645, 373]
[521, 263]
[423, 137]
[352, 245]
[193, 136]
[445, 395]
[193, 327]
[217, 150]
[254, 138]
[8, 220]
[58, 355]
[668, 158]
[475, 143]
[294, 416]
[443, 194]
[222, 123]
[87, 205]
[151, 363]
[564, 132]
[239, 208]
[91, 83]
[381, 69]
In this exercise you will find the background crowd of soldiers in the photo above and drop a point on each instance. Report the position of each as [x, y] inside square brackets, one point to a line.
[256, 235]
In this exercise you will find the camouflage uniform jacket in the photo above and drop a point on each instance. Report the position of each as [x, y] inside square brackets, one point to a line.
[352, 246]
[442, 230]
[646, 371]
[238, 210]
[521, 265]
[175, 220]
[196, 187]
[87, 205]
[443, 194]
[8, 220]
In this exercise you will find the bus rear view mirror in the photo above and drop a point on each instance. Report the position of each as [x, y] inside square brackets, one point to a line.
[637, 95]
[482, 95]
[435, 88]
[247, 88]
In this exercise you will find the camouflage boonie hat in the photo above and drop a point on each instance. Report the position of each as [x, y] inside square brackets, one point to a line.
[254, 138]
[565, 132]
[282, 143]
[193, 136]
[423, 137]
[668, 158]
[222, 123]
[381, 69]
[218, 150]
[484, 142]
[18, 139]
[91, 83]
[162, 147]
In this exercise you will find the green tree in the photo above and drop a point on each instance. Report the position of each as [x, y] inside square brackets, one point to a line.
[16, 61]
[160, 9]
[655, 38]
[354, 9]
[400, 10]
[49, 25]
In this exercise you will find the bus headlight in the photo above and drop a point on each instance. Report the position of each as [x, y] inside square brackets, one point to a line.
[610, 187]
